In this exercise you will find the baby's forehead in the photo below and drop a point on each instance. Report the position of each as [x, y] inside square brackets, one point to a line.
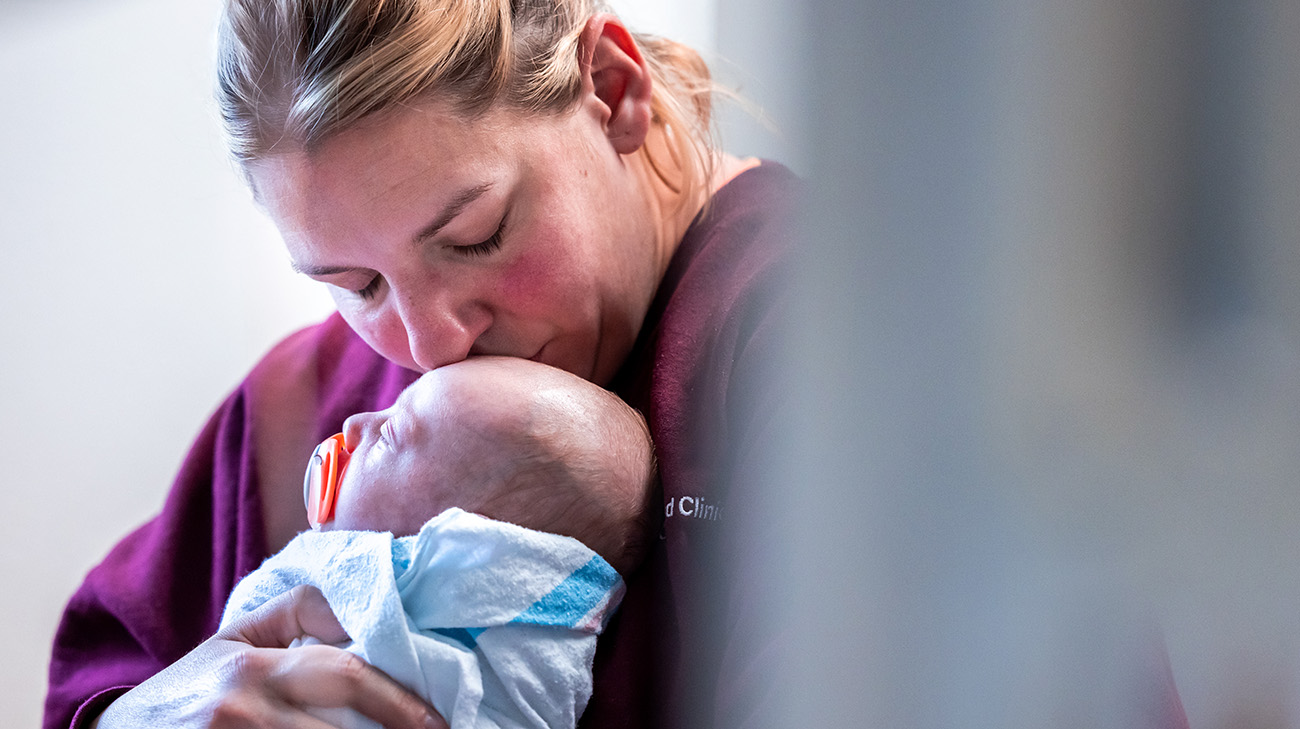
[479, 373]
[463, 387]
[497, 388]
[423, 396]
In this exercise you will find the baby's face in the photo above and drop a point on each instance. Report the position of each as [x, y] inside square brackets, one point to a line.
[407, 463]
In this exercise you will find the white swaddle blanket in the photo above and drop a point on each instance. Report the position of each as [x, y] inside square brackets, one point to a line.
[493, 624]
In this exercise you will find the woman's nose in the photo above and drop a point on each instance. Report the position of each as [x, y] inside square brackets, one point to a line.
[442, 336]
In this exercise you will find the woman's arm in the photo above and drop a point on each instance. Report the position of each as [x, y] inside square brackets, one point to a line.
[245, 675]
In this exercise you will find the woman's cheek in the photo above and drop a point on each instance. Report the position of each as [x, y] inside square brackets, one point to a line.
[540, 275]
[384, 332]
[525, 284]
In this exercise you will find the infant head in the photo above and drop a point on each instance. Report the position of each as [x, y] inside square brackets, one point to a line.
[510, 439]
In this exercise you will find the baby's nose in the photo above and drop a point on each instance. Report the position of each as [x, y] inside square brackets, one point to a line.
[353, 430]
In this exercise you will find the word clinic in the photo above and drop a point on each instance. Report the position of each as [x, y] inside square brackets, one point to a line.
[694, 507]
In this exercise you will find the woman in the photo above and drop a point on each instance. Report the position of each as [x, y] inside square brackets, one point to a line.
[468, 177]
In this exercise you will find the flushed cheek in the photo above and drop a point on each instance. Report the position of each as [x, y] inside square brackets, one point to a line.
[540, 287]
[552, 312]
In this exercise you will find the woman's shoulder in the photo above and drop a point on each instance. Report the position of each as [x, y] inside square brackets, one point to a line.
[329, 358]
[326, 343]
[753, 211]
[759, 180]
[300, 393]
[722, 285]
[745, 230]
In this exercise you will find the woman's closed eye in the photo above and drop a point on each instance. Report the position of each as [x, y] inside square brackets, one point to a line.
[476, 250]
[487, 247]
[368, 292]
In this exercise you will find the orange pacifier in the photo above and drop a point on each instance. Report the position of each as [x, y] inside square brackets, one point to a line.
[320, 487]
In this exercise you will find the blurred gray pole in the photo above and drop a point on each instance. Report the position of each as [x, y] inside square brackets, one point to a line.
[896, 539]
[915, 598]
[1045, 349]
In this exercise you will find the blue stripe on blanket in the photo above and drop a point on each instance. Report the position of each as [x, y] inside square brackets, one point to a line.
[466, 636]
[572, 599]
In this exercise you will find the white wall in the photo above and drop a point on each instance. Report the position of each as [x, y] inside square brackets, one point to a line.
[139, 285]
[688, 21]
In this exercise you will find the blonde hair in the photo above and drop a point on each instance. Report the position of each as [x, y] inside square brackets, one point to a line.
[292, 73]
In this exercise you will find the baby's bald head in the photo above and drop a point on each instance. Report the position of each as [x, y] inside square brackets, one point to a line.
[511, 439]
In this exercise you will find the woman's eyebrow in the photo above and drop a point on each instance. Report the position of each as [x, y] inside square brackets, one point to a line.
[448, 214]
[453, 208]
[320, 270]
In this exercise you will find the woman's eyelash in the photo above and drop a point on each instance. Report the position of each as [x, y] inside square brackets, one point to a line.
[371, 288]
[487, 247]
[491, 245]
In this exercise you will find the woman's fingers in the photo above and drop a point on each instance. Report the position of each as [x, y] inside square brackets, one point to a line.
[303, 611]
[246, 677]
[319, 675]
[258, 711]
[329, 677]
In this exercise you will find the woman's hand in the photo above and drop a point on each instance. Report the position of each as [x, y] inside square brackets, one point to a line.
[246, 676]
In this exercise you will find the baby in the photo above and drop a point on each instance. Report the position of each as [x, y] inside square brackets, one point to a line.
[492, 616]
[509, 439]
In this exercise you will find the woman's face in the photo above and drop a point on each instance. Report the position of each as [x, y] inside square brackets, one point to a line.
[440, 239]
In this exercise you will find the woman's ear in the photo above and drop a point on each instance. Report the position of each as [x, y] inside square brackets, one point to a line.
[616, 81]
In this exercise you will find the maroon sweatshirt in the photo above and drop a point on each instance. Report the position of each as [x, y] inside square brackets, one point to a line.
[688, 647]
